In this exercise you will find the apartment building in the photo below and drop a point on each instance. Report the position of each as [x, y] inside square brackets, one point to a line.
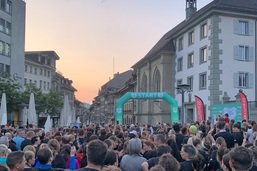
[12, 39]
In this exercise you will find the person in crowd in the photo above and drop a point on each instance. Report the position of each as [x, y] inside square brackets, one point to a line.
[12, 144]
[3, 168]
[241, 159]
[4, 140]
[159, 139]
[179, 137]
[27, 141]
[36, 141]
[148, 150]
[254, 149]
[133, 160]
[188, 153]
[45, 158]
[18, 139]
[30, 160]
[162, 149]
[157, 168]
[220, 153]
[4, 151]
[168, 162]
[96, 152]
[225, 162]
[221, 132]
[30, 148]
[199, 162]
[16, 161]
[226, 119]
[111, 158]
[238, 134]
[72, 162]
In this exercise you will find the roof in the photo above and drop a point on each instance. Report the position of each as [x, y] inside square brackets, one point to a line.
[166, 43]
[118, 81]
[48, 53]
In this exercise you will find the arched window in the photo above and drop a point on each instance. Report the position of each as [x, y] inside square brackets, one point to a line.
[157, 80]
[144, 83]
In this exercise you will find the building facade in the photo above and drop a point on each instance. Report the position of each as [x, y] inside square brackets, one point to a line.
[213, 51]
[40, 69]
[12, 39]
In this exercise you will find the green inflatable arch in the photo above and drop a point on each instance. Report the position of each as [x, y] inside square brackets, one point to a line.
[146, 95]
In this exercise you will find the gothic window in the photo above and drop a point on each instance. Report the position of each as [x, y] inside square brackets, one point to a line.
[144, 83]
[157, 80]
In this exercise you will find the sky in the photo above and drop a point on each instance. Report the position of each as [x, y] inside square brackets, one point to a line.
[96, 38]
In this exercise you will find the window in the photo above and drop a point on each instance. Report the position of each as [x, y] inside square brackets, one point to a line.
[41, 71]
[26, 68]
[25, 81]
[243, 53]
[191, 38]
[7, 49]
[8, 6]
[180, 64]
[1, 47]
[8, 28]
[202, 81]
[157, 80]
[190, 82]
[35, 82]
[1, 69]
[179, 82]
[7, 69]
[144, 83]
[30, 69]
[203, 55]
[180, 43]
[45, 72]
[30, 81]
[48, 85]
[44, 85]
[35, 71]
[48, 73]
[40, 84]
[243, 27]
[203, 31]
[3, 5]
[190, 60]
[2, 25]
[243, 80]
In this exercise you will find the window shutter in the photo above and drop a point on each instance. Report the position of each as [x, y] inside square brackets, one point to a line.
[236, 53]
[251, 79]
[236, 80]
[251, 28]
[236, 27]
[251, 54]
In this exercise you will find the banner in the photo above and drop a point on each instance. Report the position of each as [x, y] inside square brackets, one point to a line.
[244, 106]
[199, 109]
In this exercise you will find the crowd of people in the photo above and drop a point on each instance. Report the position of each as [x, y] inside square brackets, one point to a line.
[223, 146]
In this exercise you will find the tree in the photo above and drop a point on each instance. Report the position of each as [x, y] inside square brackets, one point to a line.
[13, 93]
[54, 103]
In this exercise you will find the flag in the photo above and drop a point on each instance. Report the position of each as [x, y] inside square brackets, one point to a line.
[244, 106]
[199, 109]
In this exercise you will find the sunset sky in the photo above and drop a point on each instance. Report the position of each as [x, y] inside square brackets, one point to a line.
[89, 34]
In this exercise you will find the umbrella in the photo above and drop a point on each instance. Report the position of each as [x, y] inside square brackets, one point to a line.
[32, 116]
[48, 124]
[78, 120]
[25, 115]
[3, 110]
[66, 113]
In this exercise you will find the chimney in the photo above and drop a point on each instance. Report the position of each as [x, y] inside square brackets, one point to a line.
[190, 8]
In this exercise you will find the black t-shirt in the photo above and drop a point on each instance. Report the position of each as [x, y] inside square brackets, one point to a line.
[186, 166]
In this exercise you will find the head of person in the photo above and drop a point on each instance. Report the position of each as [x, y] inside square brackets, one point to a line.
[221, 142]
[16, 161]
[4, 151]
[241, 159]
[96, 152]
[176, 127]
[134, 146]
[168, 162]
[29, 148]
[220, 125]
[30, 135]
[188, 152]
[44, 156]
[4, 140]
[159, 139]
[30, 158]
[35, 140]
[192, 130]
[225, 162]
[163, 149]
[54, 145]
[157, 168]
[199, 162]
[111, 158]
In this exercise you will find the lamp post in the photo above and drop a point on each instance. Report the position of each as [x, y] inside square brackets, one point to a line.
[182, 88]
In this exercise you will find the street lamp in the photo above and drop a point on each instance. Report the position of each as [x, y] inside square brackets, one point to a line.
[182, 88]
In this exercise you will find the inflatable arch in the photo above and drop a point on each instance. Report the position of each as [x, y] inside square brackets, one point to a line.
[142, 96]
